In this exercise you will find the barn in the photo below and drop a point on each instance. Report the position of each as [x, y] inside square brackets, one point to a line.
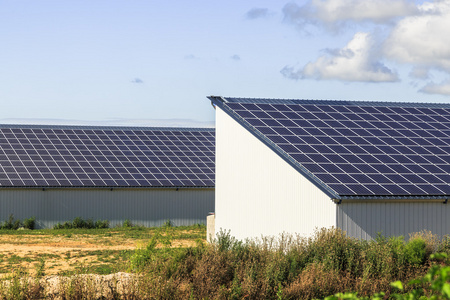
[144, 175]
[365, 167]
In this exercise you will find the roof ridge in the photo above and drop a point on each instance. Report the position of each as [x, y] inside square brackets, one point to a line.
[93, 127]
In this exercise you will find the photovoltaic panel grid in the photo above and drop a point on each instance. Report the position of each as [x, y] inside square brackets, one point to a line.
[356, 148]
[51, 156]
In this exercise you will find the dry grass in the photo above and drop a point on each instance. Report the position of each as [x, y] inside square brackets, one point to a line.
[102, 251]
[288, 267]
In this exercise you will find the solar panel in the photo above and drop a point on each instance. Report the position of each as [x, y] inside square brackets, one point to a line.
[53, 156]
[356, 148]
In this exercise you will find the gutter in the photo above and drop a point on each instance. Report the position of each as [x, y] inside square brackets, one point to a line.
[391, 199]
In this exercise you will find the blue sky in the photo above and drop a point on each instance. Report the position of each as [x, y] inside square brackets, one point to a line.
[152, 63]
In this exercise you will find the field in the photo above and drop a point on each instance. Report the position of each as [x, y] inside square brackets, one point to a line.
[176, 263]
[75, 251]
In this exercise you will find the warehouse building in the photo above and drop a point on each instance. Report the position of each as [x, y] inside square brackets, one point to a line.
[365, 167]
[145, 175]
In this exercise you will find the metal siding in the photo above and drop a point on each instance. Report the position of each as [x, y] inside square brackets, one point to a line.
[258, 193]
[394, 219]
[147, 207]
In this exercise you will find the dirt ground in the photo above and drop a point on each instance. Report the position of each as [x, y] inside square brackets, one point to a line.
[59, 254]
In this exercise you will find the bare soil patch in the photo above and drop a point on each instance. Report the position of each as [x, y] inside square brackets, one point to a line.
[71, 253]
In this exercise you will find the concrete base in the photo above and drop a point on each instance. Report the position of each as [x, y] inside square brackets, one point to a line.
[210, 228]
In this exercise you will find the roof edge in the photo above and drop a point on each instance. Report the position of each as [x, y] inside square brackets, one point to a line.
[391, 198]
[329, 102]
[87, 127]
[218, 101]
[44, 188]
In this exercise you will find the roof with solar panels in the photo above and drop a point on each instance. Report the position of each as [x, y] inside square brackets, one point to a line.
[85, 156]
[355, 149]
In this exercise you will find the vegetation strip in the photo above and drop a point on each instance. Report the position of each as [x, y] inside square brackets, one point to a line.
[287, 267]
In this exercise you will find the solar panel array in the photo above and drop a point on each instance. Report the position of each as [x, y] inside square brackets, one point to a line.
[33, 156]
[358, 149]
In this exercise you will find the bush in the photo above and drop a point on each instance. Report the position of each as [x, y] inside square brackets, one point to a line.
[127, 223]
[11, 223]
[89, 224]
[288, 267]
[101, 224]
[415, 251]
[80, 223]
[168, 223]
[444, 246]
[29, 223]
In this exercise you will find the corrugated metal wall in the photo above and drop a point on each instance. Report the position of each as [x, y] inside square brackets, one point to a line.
[365, 220]
[258, 193]
[147, 207]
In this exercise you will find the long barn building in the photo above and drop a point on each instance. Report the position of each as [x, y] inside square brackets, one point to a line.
[365, 167]
[144, 175]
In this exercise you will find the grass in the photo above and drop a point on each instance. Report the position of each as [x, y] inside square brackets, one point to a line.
[175, 263]
[75, 251]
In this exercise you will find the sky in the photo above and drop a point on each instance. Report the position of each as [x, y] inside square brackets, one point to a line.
[153, 63]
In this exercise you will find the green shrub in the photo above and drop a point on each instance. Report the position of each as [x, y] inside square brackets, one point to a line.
[101, 224]
[415, 251]
[78, 222]
[57, 226]
[143, 256]
[89, 224]
[11, 223]
[168, 223]
[29, 223]
[290, 267]
[444, 245]
[127, 223]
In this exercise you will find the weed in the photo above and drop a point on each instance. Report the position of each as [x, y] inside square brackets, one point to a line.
[40, 268]
[11, 223]
[168, 223]
[127, 224]
[80, 223]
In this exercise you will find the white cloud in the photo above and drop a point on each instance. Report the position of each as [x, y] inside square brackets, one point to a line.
[420, 73]
[235, 57]
[416, 37]
[378, 11]
[256, 13]
[422, 40]
[137, 80]
[432, 88]
[355, 62]
[334, 12]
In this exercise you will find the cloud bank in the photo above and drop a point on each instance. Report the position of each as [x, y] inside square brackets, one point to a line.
[413, 36]
[336, 12]
[354, 62]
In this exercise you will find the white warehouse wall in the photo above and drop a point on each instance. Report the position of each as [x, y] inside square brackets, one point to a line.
[142, 206]
[260, 194]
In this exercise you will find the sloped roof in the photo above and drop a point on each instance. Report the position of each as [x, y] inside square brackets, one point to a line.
[84, 156]
[355, 149]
